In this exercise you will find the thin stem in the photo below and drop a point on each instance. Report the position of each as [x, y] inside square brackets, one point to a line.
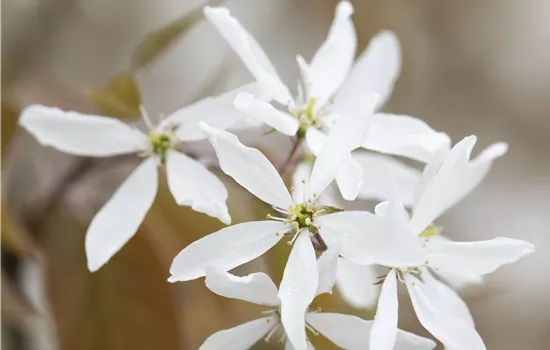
[288, 161]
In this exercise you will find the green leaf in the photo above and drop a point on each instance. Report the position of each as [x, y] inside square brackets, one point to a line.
[120, 98]
[160, 40]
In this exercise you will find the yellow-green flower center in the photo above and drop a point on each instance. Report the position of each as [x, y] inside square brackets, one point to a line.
[160, 143]
[308, 117]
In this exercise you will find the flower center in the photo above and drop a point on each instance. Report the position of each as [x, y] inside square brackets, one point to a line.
[160, 143]
[302, 216]
[308, 117]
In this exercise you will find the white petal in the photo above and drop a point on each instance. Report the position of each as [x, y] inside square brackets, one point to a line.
[347, 134]
[454, 179]
[375, 71]
[379, 171]
[346, 331]
[242, 337]
[331, 63]
[265, 112]
[369, 239]
[448, 296]
[256, 288]
[410, 341]
[356, 284]
[350, 179]
[218, 112]
[429, 172]
[81, 134]
[452, 279]
[299, 178]
[248, 49]
[288, 345]
[226, 249]
[119, 219]
[249, 167]
[446, 186]
[384, 328]
[472, 259]
[403, 135]
[440, 319]
[315, 140]
[393, 210]
[351, 332]
[194, 185]
[298, 288]
[327, 265]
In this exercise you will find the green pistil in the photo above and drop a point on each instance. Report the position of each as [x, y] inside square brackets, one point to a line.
[431, 231]
[302, 215]
[160, 144]
[307, 118]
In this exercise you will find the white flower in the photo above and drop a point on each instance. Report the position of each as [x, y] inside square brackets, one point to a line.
[97, 136]
[346, 331]
[438, 307]
[303, 219]
[332, 86]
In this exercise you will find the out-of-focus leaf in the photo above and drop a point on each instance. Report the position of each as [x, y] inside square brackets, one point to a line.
[9, 125]
[160, 40]
[120, 98]
[15, 308]
[14, 237]
[125, 305]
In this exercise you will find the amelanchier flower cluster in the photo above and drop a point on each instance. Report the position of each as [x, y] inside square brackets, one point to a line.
[338, 137]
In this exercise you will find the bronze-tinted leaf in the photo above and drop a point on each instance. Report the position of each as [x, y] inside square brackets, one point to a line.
[120, 98]
[125, 305]
[160, 40]
[14, 237]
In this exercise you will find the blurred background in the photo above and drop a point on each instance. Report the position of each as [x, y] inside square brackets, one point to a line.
[469, 67]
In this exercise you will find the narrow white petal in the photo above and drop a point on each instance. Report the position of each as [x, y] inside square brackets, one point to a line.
[448, 296]
[81, 134]
[331, 63]
[288, 345]
[350, 179]
[249, 167]
[194, 185]
[315, 140]
[380, 171]
[455, 178]
[452, 279]
[429, 172]
[298, 288]
[472, 259]
[327, 265]
[218, 112]
[440, 318]
[410, 341]
[394, 211]
[346, 331]
[445, 186]
[403, 135]
[242, 337]
[384, 328]
[248, 49]
[369, 239]
[226, 249]
[347, 134]
[256, 288]
[265, 112]
[375, 71]
[356, 284]
[122, 215]
[299, 178]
